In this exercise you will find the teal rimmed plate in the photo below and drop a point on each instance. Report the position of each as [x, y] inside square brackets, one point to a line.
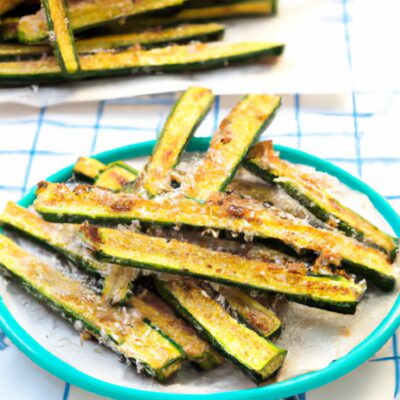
[299, 384]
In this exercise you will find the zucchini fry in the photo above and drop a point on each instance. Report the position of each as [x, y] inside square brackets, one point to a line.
[116, 176]
[147, 39]
[182, 258]
[61, 36]
[302, 186]
[153, 38]
[237, 132]
[20, 51]
[253, 354]
[86, 14]
[88, 168]
[185, 117]
[191, 57]
[57, 202]
[212, 11]
[160, 356]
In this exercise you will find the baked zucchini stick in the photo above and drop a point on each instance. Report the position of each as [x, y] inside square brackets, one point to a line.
[253, 354]
[185, 117]
[189, 57]
[182, 258]
[264, 162]
[237, 132]
[87, 13]
[88, 168]
[116, 176]
[56, 202]
[197, 13]
[153, 38]
[160, 356]
[147, 39]
[11, 51]
[159, 314]
[61, 36]
[64, 239]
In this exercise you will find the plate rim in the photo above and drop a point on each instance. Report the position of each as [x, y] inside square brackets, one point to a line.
[299, 384]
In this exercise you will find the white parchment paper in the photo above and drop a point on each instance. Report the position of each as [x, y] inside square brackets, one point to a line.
[313, 337]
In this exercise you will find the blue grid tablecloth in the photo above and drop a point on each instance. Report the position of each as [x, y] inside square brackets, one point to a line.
[355, 131]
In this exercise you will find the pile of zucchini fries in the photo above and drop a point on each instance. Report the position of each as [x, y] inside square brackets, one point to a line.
[190, 261]
[78, 39]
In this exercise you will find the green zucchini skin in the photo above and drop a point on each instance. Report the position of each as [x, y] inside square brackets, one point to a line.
[224, 212]
[166, 291]
[263, 162]
[62, 37]
[11, 255]
[192, 57]
[185, 117]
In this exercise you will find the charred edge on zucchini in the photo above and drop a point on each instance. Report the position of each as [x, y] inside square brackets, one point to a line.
[86, 14]
[56, 202]
[61, 36]
[187, 114]
[182, 258]
[237, 132]
[117, 176]
[191, 57]
[160, 315]
[80, 305]
[253, 354]
[308, 191]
